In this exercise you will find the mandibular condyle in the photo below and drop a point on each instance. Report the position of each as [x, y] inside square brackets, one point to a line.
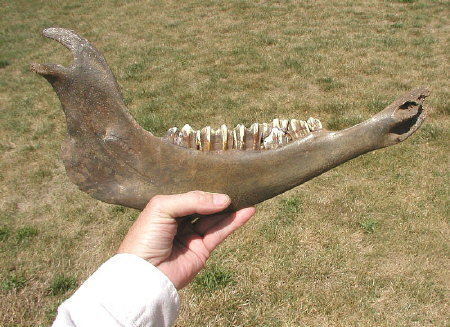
[108, 155]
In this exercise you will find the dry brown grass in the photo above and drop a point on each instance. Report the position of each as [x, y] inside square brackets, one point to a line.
[366, 244]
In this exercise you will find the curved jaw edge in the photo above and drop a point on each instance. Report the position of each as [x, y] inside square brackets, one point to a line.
[406, 114]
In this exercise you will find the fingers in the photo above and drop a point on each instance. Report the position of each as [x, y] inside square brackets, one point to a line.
[185, 204]
[220, 231]
[203, 224]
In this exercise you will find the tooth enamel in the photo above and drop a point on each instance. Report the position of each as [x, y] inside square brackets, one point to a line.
[314, 124]
[185, 137]
[276, 123]
[172, 134]
[254, 130]
[274, 139]
[284, 124]
[265, 130]
[224, 133]
[304, 126]
[294, 125]
[198, 141]
[206, 137]
[239, 137]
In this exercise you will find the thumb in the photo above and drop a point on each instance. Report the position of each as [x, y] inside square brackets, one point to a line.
[195, 202]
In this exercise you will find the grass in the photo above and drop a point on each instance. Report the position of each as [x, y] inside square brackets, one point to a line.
[213, 278]
[365, 244]
[61, 284]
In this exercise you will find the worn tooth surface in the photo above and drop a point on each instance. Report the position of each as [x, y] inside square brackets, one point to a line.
[198, 140]
[205, 135]
[265, 130]
[281, 136]
[186, 136]
[256, 136]
[304, 130]
[276, 123]
[239, 137]
[284, 125]
[216, 139]
[295, 128]
[314, 124]
[294, 125]
[172, 134]
[274, 139]
[224, 134]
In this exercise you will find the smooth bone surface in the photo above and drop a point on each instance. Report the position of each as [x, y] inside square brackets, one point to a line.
[108, 155]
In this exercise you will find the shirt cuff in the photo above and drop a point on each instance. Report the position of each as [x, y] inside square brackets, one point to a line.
[131, 290]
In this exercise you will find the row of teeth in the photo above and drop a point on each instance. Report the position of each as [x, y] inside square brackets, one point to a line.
[256, 137]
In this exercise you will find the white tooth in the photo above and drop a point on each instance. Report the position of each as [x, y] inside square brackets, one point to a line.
[254, 130]
[276, 123]
[224, 133]
[265, 130]
[235, 139]
[314, 124]
[240, 133]
[172, 135]
[280, 135]
[319, 124]
[275, 137]
[284, 124]
[268, 141]
[172, 131]
[198, 140]
[186, 130]
[294, 125]
[304, 126]
[206, 133]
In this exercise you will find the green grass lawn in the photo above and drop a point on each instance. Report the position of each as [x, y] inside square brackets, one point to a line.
[366, 244]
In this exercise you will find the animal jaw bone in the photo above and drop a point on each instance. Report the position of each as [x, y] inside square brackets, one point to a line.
[108, 155]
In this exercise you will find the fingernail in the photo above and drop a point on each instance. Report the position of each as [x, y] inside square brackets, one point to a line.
[220, 199]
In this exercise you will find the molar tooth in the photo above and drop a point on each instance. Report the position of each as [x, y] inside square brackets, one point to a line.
[224, 133]
[239, 134]
[274, 139]
[186, 137]
[206, 138]
[276, 123]
[216, 139]
[280, 135]
[265, 130]
[304, 126]
[172, 135]
[294, 125]
[284, 124]
[314, 124]
[198, 140]
[256, 136]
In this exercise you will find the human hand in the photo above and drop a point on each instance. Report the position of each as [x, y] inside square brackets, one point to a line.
[176, 246]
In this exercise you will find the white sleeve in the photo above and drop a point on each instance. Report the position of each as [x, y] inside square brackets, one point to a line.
[125, 291]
